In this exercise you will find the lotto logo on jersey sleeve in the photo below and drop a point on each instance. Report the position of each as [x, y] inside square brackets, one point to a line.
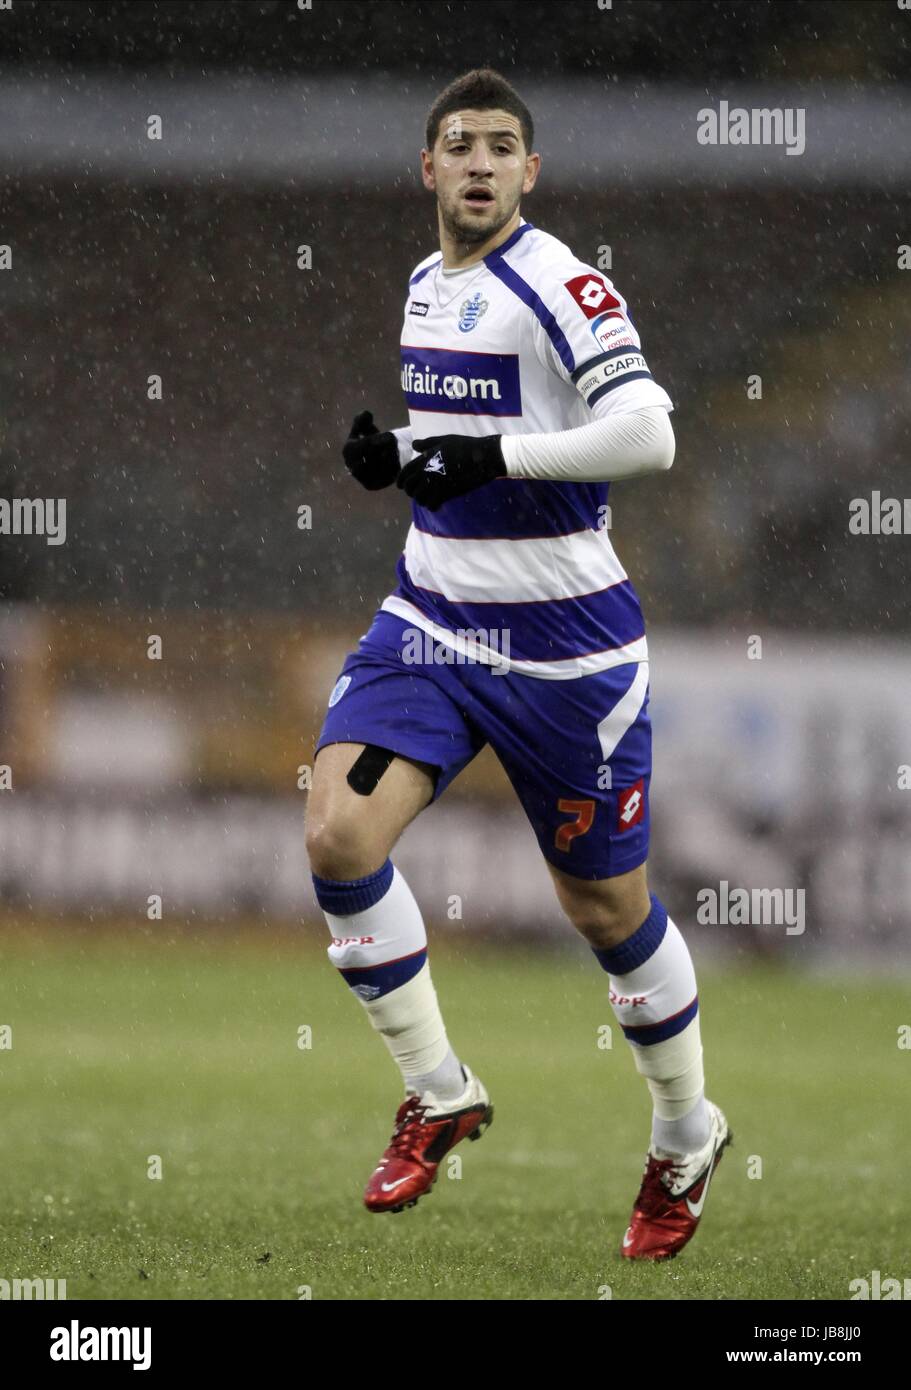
[592, 295]
[631, 805]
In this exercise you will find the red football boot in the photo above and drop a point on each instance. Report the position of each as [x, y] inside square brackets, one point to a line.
[425, 1130]
[672, 1196]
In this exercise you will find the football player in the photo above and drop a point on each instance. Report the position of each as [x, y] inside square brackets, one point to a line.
[528, 393]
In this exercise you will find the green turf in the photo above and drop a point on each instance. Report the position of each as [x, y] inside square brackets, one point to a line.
[147, 1043]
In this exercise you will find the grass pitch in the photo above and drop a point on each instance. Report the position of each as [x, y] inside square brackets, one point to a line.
[145, 1042]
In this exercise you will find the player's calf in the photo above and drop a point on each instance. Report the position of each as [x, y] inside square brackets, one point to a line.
[379, 942]
[654, 998]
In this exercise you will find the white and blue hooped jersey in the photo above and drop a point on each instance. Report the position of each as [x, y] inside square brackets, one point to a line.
[530, 340]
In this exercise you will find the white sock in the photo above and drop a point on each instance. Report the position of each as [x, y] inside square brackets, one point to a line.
[686, 1135]
[447, 1081]
[412, 1028]
[653, 995]
[379, 946]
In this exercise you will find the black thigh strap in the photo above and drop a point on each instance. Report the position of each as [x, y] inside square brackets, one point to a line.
[367, 769]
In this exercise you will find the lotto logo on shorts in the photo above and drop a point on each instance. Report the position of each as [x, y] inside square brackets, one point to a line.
[631, 805]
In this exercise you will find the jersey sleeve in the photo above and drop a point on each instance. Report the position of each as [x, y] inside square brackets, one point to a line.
[583, 333]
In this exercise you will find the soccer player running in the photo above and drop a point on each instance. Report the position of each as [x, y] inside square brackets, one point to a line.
[527, 393]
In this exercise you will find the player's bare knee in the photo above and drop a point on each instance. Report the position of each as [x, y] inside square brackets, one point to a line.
[603, 912]
[339, 850]
[603, 931]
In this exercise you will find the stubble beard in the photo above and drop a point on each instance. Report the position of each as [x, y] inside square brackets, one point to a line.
[468, 231]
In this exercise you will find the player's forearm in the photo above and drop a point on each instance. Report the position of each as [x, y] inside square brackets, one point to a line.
[403, 437]
[629, 445]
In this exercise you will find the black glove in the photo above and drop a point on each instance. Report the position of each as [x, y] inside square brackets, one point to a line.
[372, 458]
[450, 465]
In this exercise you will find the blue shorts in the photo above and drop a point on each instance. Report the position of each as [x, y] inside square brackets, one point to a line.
[577, 752]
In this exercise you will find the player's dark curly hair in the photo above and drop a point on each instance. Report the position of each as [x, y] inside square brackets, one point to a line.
[482, 89]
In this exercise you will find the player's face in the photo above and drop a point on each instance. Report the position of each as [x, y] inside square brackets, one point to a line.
[478, 171]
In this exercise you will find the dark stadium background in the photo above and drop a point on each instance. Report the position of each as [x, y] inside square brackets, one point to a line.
[289, 127]
[191, 271]
[132, 778]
